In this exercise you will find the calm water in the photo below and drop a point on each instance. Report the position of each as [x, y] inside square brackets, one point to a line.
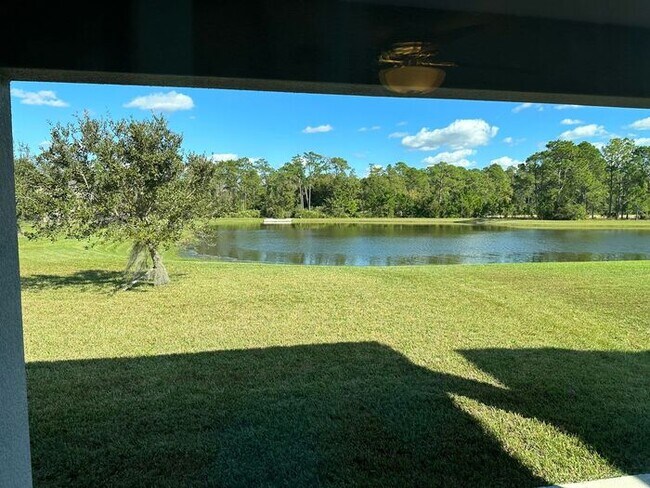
[387, 245]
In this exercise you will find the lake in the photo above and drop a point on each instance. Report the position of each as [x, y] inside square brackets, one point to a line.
[396, 244]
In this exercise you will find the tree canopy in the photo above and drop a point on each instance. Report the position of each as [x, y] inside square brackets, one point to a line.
[563, 181]
[122, 180]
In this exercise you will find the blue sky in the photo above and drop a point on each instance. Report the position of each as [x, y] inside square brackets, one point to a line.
[364, 130]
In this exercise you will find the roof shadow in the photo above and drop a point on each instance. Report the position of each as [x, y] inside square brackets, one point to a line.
[336, 414]
[602, 397]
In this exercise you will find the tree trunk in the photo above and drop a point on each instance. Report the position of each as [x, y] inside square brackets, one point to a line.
[158, 273]
[611, 192]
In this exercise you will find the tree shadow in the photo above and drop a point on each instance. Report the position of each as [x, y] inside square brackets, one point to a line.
[335, 414]
[91, 279]
[86, 280]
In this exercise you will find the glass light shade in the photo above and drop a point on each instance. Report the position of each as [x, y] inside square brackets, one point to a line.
[412, 79]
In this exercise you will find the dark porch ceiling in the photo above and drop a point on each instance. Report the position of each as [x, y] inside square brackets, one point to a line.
[565, 51]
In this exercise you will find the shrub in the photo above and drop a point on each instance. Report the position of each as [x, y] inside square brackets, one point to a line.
[246, 214]
[314, 213]
[277, 213]
[572, 211]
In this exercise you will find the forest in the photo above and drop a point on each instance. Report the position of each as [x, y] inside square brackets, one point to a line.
[563, 181]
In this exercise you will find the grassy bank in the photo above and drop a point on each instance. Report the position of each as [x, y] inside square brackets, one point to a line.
[251, 374]
[512, 223]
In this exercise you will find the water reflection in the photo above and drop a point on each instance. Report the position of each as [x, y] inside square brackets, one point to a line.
[395, 245]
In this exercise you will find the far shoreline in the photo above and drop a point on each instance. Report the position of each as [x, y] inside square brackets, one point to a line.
[598, 223]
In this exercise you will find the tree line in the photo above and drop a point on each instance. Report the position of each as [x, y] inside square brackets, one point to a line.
[130, 180]
[563, 181]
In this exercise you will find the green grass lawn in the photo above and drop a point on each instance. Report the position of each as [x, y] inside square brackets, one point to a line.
[260, 375]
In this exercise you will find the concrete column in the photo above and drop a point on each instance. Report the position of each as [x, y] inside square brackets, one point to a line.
[15, 468]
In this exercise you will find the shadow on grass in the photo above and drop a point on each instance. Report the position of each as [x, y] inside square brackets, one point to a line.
[602, 397]
[337, 414]
[86, 280]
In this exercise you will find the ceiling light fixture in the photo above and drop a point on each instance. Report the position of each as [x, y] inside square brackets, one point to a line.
[410, 68]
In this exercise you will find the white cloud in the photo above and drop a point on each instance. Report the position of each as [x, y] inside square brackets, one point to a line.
[163, 102]
[527, 105]
[45, 144]
[460, 134]
[397, 135]
[642, 141]
[584, 131]
[598, 145]
[402, 123]
[567, 106]
[511, 141]
[367, 129]
[506, 161]
[521, 107]
[571, 122]
[216, 157]
[458, 158]
[319, 128]
[641, 124]
[42, 97]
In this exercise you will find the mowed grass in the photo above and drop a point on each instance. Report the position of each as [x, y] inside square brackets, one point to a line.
[269, 375]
